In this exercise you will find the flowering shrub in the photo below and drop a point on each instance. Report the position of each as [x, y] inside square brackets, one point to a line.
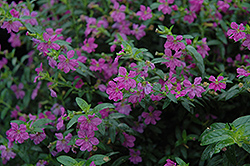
[121, 82]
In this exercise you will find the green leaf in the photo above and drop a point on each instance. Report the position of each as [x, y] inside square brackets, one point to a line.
[222, 144]
[197, 57]
[112, 133]
[180, 161]
[120, 160]
[102, 106]
[232, 93]
[159, 60]
[66, 160]
[98, 159]
[208, 152]
[216, 136]
[187, 36]
[117, 115]
[18, 122]
[241, 121]
[246, 147]
[220, 35]
[73, 121]
[82, 104]
[154, 5]
[172, 97]
[40, 122]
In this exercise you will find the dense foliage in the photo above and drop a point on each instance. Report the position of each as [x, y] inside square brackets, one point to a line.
[123, 82]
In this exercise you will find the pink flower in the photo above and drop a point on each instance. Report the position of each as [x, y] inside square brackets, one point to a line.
[114, 91]
[125, 80]
[89, 45]
[3, 62]
[97, 65]
[135, 156]
[242, 72]
[89, 123]
[129, 140]
[144, 13]
[123, 108]
[151, 117]
[190, 16]
[49, 43]
[17, 134]
[118, 15]
[52, 92]
[14, 40]
[38, 70]
[216, 83]
[33, 15]
[137, 96]
[18, 90]
[164, 7]
[178, 92]
[170, 163]
[246, 41]
[66, 63]
[12, 26]
[6, 153]
[173, 59]
[62, 142]
[88, 140]
[223, 6]
[194, 89]
[38, 137]
[203, 49]
[138, 31]
[174, 44]
[236, 32]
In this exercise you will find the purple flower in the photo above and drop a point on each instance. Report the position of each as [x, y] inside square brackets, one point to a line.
[190, 16]
[49, 43]
[12, 26]
[18, 90]
[223, 6]
[66, 63]
[97, 65]
[114, 91]
[178, 91]
[62, 143]
[38, 137]
[144, 13]
[242, 72]
[174, 44]
[129, 140]
[35, 91]
[6, 153]
[89, 45]
[3, 62]
[38, 70]
[135, 156]
[17, 134]
[42, 163]
[216, 83]
[14, 40]
[246, 42]
[52, 92]
[203, 49]
[138, 31]
[164, 6]
[118, 15]
[173, 60]
[123, 108]
[194, 89]
[170, 163]
[89, 123]
[236, 32]
[151, 117]
[32, 20]
[125, 80]
[88, 140]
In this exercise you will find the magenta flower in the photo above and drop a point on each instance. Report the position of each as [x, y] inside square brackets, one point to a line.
[138, 31]
[129, 140]
[125, 80]
[223, 6]
[195, 5]
[164, 6]
[137, 96]
[17, 134]
[97, 65]
[89, 45]
[190, 16]
[173, 59]
[236, 31]
[14, 40]
[62, 143]
[48, 44]
[66, 63]
[135, 156]
[18, 90]
[6, 153]
[178, 91]
[216, 83]
[79, 83]
[90, 123]
[33, 15]
[151, 117]
[144, 13]
[88, 140]
[194, 89]
[52, 92]
[38, 70]
[38, 137]
[3, 62]
[242, 72]
[114, 91]
[14, 13]
[170, 163]
[12, 26]
[246, 42]
[174, 44]
[203, 49]
[118, 15]
[123, 108]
